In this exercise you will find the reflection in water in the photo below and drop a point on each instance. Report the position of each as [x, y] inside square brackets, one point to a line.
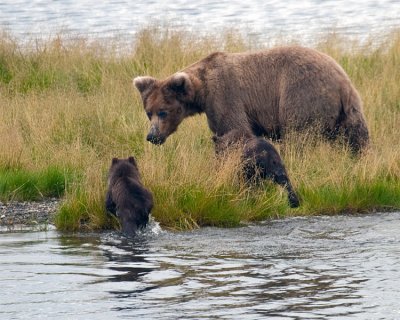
[304, 268]
[128, 260]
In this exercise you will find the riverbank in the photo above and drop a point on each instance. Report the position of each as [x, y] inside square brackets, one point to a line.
[69, 107]
[28, 213]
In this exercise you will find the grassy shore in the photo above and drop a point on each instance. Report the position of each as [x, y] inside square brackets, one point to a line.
[68, 106]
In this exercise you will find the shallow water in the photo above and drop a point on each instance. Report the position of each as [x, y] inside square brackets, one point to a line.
[291, 19]
[341, 267]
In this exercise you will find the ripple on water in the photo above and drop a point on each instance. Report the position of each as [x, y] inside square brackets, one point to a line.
[301, 268]
[302, 21]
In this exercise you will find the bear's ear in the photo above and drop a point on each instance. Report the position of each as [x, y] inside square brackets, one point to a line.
[132, 160]
[114, 161]
[181, 85]
[144, 83]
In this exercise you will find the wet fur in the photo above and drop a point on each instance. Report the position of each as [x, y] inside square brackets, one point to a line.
[126, 197]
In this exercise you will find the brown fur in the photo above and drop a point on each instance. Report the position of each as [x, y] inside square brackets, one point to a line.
[265, 93]
[260, 160]
[126, 197]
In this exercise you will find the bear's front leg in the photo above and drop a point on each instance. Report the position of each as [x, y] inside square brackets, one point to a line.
[294, 201]
[110, 204]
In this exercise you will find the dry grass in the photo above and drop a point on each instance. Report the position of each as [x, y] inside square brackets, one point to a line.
[70, 104]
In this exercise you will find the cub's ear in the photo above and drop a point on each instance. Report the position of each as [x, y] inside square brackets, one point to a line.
[144, 83]
[114, 161]
[181, 85]
[132, 160]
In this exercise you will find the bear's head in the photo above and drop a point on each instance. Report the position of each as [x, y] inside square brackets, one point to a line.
[166, 102]
[123, 168]
[263, 161]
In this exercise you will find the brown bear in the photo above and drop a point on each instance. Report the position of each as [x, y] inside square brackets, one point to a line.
[126, 197]
[260, 160]
[265, 93]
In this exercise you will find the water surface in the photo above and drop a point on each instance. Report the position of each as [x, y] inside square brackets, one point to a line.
[342, 267]
[304, 20]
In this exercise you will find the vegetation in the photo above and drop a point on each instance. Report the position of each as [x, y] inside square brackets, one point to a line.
[68, 106]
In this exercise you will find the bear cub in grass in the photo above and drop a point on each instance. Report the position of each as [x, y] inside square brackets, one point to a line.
[126, 197]
[260, 160]
[267, 93]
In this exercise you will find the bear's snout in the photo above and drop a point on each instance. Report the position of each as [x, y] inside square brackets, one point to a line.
[157, 140]
[154, 136]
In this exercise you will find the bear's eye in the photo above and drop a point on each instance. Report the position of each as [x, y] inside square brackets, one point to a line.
[149, 115]
[162, 114]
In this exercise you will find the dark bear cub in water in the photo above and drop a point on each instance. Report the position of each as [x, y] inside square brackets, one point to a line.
[126, 197]
[260, 160]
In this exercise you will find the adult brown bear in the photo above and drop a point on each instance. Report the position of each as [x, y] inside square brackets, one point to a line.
[263, 93]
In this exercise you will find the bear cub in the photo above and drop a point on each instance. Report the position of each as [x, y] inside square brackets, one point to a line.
[260, 160]
[126, 197]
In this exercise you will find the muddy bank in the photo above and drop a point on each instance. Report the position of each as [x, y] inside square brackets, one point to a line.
[28, 213]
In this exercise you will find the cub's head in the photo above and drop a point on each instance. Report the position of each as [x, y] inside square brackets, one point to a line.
[264, 161]
[123, 168]
[165, 103]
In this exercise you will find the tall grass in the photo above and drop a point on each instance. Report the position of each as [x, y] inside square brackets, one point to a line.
[68, 106]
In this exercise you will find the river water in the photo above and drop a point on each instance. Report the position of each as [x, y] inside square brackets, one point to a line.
[339, 267]
[300, 20]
